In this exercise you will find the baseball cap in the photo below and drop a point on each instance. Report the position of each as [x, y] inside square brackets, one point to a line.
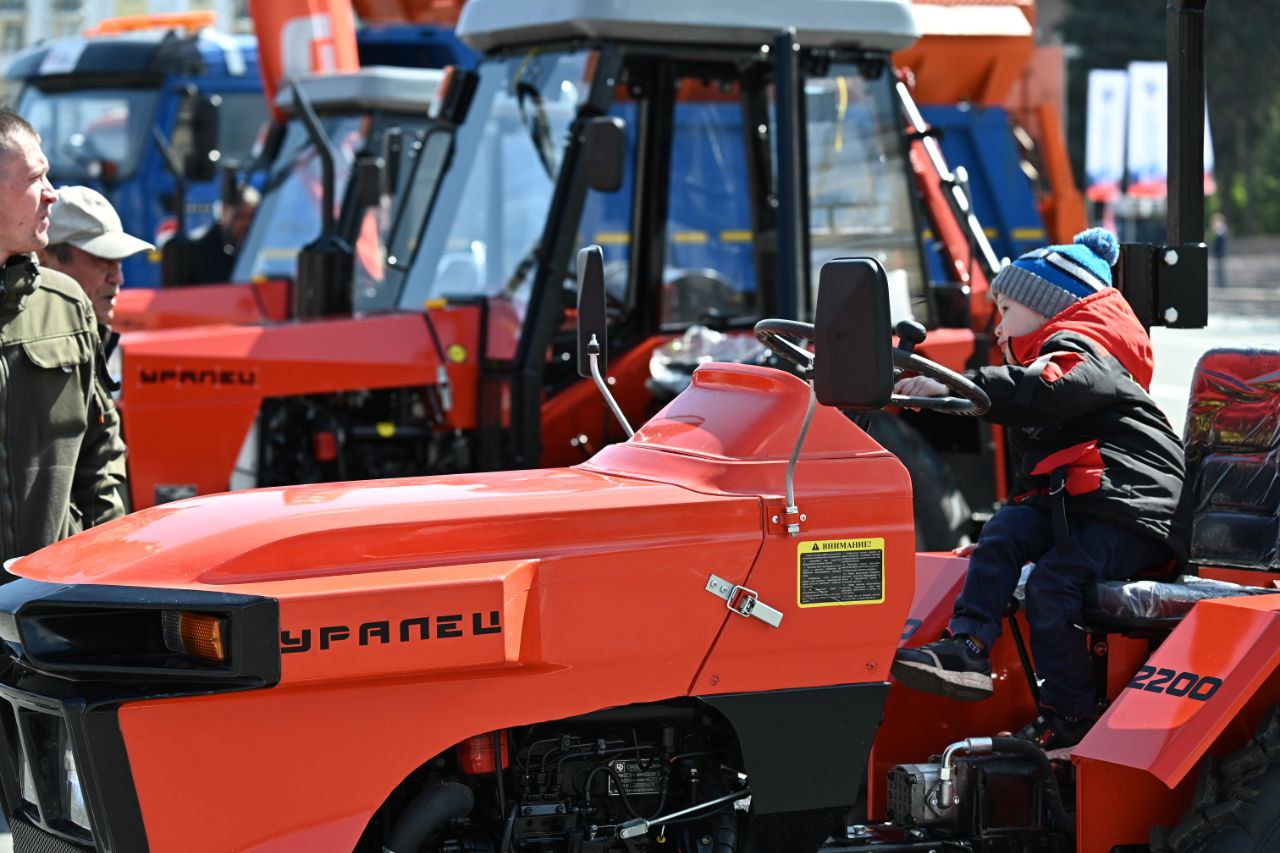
[86, 220]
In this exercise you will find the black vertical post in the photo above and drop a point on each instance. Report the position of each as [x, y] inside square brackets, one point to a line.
[559, 234]
[793, 189]
[1185, 48]
[1169, 285]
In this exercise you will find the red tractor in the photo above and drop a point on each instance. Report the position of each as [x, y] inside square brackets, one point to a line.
[719, 162]
[682, 643]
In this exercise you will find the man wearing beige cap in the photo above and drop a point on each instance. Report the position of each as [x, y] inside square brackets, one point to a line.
[87, 242]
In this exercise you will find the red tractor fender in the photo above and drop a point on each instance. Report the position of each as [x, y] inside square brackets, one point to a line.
[1201, 692]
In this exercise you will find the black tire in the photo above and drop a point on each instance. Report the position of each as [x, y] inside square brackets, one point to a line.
[1236, 807]
[941, 511]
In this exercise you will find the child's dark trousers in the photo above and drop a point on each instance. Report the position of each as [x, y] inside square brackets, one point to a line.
[1055, 591]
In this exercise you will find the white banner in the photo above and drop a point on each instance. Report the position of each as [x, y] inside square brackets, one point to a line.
[1104, 133]
[1148, 157]
[1210, 183]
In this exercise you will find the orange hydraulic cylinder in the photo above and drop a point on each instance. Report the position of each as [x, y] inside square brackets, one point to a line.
[1063, 208]
[300, 36]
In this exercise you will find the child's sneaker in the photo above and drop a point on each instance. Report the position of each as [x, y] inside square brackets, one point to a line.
[953, 666]
[1052, 730]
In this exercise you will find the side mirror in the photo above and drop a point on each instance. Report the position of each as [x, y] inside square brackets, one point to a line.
[853, 361]
[229, 188]
[370, 175]
[604, 153]
[202, 160]
[456, 93]
[592, 320]
[392, 152]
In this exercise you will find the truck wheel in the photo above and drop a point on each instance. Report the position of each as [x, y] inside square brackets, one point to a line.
[942, 514]
[1236, 807]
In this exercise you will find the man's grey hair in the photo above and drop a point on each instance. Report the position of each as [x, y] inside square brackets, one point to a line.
[61, 252]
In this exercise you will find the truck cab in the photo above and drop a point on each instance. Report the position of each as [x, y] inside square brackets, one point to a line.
[98, 101]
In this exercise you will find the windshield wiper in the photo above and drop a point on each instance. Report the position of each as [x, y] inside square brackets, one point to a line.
[539, 127]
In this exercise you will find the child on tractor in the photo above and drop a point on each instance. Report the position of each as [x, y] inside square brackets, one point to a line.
[1099, 476]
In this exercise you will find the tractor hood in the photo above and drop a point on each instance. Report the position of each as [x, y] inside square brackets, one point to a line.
[353, 528]
[699, 475]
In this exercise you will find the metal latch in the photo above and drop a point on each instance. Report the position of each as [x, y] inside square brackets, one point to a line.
[743, 601]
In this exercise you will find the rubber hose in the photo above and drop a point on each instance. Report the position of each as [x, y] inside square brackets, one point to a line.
[724, 822]
[427, 813]
[1036, 754]
[508, 826]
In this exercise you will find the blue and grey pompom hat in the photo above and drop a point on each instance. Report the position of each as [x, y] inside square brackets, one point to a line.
[1054, 278]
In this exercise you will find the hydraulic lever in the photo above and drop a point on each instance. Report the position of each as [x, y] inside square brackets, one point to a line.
[640, 826]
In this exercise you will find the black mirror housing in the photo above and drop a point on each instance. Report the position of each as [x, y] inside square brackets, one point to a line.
[456, 94]
[370, 179]
[604, 150]
[202, 160]
[392, 151]
[592, 319]
[853, 359]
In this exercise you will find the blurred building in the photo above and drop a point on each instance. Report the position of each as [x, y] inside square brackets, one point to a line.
[27, 22]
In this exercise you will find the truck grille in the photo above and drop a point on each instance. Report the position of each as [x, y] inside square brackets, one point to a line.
[37, 796]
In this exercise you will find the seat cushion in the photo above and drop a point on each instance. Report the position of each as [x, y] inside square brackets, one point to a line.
[1145, 605]
[1232, 438]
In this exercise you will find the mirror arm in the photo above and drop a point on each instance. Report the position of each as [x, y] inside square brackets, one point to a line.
[593, 352]
[793, 517]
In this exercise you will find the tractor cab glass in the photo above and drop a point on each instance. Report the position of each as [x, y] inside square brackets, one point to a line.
[860, 191]
[90, 134]
[498, 190]
[289, 213]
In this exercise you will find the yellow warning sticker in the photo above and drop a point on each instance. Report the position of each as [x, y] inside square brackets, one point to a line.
[833, 572]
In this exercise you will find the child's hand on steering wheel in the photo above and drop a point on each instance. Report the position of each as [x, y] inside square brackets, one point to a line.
[920, 386]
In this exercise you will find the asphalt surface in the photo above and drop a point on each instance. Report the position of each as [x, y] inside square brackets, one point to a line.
[1177, 351]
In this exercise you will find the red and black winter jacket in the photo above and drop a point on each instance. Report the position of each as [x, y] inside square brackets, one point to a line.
[1082, 423]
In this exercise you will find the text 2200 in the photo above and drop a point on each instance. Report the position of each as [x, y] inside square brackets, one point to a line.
[1174, 683]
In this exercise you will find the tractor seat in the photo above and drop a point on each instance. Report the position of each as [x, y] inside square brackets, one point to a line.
[1152, 606]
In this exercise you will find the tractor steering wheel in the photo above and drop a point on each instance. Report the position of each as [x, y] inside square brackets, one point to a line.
[969, 399]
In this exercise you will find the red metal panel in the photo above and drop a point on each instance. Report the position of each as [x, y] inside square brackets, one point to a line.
[300, 36]
[209, 383]
[1236, 641]
[141, 308]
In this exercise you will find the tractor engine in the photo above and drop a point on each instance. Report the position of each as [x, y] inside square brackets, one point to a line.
[358, 435]
[572, 787]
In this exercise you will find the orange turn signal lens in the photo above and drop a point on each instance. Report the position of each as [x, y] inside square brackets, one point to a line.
[199, 635]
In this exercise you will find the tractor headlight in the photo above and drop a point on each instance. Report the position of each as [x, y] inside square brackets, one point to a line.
[72, 793]
[28, 782]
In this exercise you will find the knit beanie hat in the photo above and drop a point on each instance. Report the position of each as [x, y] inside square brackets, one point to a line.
[1054, 278]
